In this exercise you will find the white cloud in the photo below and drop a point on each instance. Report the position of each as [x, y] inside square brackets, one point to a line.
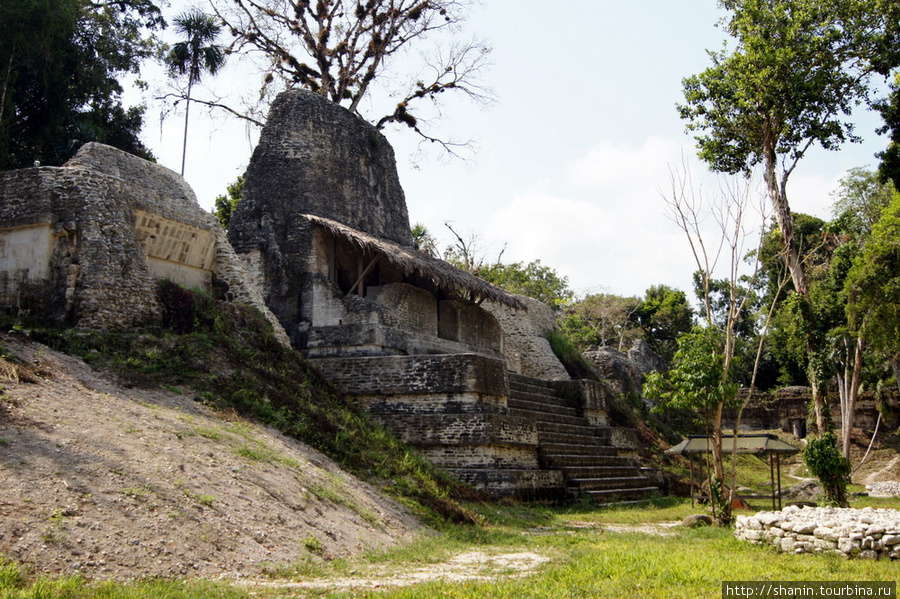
[595, 247]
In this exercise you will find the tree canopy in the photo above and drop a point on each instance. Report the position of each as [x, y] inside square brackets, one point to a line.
[61, 62]
[197, 53]
[797, 70]
[341, 48]
[534, 280]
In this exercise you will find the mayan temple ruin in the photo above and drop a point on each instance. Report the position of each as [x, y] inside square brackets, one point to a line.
[321, 244]
[457, 367]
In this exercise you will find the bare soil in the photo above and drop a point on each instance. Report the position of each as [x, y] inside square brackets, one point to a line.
[120, 483]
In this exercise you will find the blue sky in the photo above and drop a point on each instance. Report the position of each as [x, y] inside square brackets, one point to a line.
[570, 160]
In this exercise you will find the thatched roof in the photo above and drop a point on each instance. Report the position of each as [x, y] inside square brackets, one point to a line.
[412, 262]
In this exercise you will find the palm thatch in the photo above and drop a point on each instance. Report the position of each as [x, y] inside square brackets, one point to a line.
[411, 262]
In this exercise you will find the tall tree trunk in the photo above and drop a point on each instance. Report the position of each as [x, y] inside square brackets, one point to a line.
[778, 194]
[6, 82]
[187, 112]
[848, 418]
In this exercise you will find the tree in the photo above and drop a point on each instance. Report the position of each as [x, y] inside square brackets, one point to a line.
[225, 205]
[889, 169]
[698, 380]
[340, 48]
[873, 288]
[424, 241]
[603, 319]
[797, 70]
[60, 67]
[829, 466]
[196, 54]
[534, 280]
[663, 315]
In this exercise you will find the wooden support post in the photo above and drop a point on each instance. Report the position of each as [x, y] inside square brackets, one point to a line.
[778, 474]
[363, 273]
[332, 259]
[772, 479]
[691, 461]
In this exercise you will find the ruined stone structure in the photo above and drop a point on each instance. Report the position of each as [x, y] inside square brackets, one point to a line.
[457, 367]
[83, 244]
[787, 409]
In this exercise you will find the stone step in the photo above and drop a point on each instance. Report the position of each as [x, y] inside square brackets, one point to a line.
[572, 469]
[544, 399]
[546, 418]
[543, 411]
[598, 484]
[601, 471]
[621, 496]
[530, 385]
[554, 449]
[549, 433]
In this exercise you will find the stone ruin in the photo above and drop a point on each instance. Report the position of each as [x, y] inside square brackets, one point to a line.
[457, 367]
[83, 244]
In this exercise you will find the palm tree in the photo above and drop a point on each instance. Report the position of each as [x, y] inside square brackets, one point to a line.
[196, 54]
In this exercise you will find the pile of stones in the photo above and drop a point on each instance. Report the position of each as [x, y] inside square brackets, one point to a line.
[866, 533]
[888, 488]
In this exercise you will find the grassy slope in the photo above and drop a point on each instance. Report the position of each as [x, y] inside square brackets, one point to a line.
[228, 355]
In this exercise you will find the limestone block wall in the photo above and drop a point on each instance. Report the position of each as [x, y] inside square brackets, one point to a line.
[453, 408]
[470, 325]
[410, 308]
[866, 533]
[113, 224]
[526, 347]
[98, 275]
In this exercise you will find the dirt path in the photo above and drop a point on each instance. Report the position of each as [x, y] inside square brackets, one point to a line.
[468, 566]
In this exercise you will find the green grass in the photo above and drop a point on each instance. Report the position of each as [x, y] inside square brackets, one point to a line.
[15, 583]
[585, 560]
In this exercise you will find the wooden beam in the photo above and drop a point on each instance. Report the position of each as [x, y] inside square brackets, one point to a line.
[363, 274]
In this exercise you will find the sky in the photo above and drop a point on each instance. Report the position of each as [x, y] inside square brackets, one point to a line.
[571, 160]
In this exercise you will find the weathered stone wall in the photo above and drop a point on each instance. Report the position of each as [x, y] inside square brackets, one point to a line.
[526, 347]
[787, 409]
[98, 273]
[459, 373]
[411, 308]
[453, 408]
[114, 223]
[471, 326]
[865, 533]
[315, 157]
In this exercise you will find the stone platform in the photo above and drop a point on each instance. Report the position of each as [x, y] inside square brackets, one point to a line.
[506, 434]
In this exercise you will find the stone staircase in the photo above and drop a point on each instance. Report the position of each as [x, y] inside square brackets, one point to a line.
[568, 442]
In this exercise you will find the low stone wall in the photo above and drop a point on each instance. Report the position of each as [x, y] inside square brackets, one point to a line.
[887, 488]
[866, 533]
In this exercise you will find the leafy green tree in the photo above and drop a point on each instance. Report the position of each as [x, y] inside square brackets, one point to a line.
[60, 67]
[860, 199]
[532, 280]
[603, 319]
[699, 379]
[225, 205]
[424, 241]
[663, 315]
[796, 71]
[829, 466]
[195, 55]
[873, 287]
[889, 169]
